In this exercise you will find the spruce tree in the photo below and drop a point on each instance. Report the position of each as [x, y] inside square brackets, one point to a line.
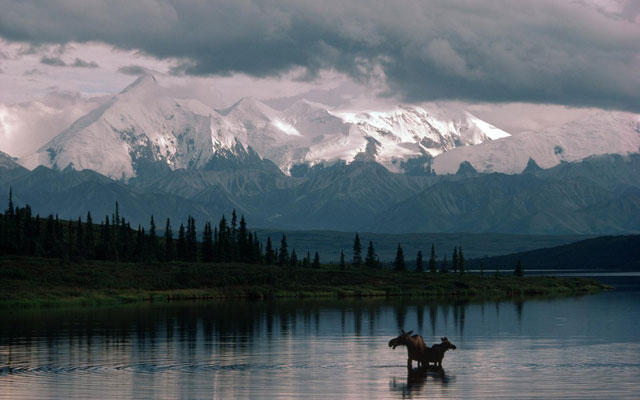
[460, 260]
[117, 214]
[343, 266]
[105, 244]
[357, 252]
[37, 236]
[28, 234]
[257, 259]
[49, 240]
[59, 237]
[233, 238]
[216, 244]
[10, 209]
[89, 239]
[370, 260]
[519, 271]
[140, 246]
[283, 254]
[306, 261]
[3, 236]
[293, 261]
[432, 260]
[10, 224]
[398, 263]
[444, 268]
[80, 239]
[454, 260]
[316, 261]
[269, 256]
[419, 265]
[244, 244]
[69, 243]
[224, 246]
[129, 242]
[169, 246]
[192, 240]
[207, 243]
[153, 241]
[181, 245]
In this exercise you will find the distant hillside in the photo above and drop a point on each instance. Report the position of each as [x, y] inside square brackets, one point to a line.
[597, 196]
[329, 243]
[607, 252]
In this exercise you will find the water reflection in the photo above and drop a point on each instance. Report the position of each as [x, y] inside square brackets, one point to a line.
[320, 349]
[416, 381]
[237, 323]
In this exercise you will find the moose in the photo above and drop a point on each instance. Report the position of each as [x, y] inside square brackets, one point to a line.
[417, 350]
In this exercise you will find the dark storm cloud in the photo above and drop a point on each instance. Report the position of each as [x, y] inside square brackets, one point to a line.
[80, 63]
[59, 62]
[53, 61]
[132, 70]
[577, 52]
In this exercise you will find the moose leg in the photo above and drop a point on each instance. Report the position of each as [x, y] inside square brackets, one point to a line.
[409, 364]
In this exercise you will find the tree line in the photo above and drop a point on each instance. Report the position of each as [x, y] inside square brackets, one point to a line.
[457, 265]
[399, 264]
[113, 239]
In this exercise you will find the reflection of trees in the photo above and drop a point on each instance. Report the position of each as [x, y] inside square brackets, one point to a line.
[459, 315]
[519, 305]
[420, 316]
[400, 311]
[433, 316]
[357, 321]
[374, 313]
[445, 313]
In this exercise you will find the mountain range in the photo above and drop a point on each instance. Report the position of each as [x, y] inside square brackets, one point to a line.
[427, 168]
[145, 124]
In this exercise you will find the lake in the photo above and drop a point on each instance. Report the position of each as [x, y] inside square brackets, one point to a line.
[578, 347]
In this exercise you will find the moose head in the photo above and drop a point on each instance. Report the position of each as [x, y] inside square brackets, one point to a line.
[447, 344]
[401, 340]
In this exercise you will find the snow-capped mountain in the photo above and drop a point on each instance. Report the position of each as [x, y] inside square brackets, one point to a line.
[391, 137]
[142, 123]
[602, 132]
[145, 123]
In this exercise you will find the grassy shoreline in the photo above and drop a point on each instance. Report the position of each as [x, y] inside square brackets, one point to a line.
[35, 282]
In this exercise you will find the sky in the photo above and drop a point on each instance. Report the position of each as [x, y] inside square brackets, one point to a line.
[543, 59]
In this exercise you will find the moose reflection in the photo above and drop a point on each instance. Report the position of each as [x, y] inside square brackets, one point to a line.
[417, 350]
[417, 380]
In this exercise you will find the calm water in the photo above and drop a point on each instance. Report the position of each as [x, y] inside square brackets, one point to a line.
[586, 347]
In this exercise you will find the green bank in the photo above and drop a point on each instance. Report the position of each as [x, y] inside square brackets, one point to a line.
[31, 281]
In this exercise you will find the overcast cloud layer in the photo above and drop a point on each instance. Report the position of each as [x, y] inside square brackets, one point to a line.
[547, 51]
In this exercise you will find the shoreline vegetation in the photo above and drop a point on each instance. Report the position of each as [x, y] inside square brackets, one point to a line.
[50, 261]
[36, 282]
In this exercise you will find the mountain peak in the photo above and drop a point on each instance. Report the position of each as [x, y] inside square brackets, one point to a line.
[250, 106]
[532, 167]
[143, 82]
[466, 169]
